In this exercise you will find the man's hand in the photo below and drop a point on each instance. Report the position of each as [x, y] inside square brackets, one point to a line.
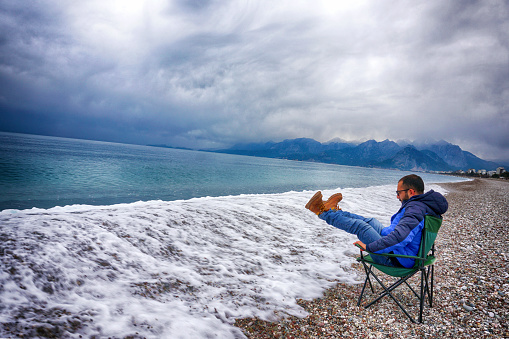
[361, 244]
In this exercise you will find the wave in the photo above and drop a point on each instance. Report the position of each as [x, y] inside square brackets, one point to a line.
[175, 269]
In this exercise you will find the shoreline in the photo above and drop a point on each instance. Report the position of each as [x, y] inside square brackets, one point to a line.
[93, 203]
[471, 298]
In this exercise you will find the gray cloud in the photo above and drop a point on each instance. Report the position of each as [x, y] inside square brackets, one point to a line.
[213, 73]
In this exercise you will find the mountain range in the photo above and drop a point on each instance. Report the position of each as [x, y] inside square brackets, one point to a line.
[418, 156]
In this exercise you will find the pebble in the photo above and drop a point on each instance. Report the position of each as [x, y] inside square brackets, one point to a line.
[467, 307]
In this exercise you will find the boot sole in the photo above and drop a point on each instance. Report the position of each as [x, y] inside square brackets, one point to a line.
[318, 195]
[336, 195]
[332, 198]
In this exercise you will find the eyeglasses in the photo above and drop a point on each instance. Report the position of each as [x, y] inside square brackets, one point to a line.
[397, 192]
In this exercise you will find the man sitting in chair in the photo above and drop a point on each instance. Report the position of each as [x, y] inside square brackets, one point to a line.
[402, 237]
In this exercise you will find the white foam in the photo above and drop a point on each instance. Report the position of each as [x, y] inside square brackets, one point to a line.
[181, 269]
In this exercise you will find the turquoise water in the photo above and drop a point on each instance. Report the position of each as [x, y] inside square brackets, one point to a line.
[41, 171]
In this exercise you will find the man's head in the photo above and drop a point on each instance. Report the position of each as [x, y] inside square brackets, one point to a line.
[408, 186]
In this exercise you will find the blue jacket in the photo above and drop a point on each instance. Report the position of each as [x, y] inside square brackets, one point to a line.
[403, 236]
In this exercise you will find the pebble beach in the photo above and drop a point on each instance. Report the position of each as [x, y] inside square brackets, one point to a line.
[471, 296]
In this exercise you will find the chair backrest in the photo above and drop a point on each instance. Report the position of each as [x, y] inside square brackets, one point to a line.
[429, 234]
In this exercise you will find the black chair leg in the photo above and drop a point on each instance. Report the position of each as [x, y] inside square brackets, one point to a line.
[423, 281]
[431, 294]
[368, 272]
[412, 289]
[362, 292]
[387, 291]
[429, 285]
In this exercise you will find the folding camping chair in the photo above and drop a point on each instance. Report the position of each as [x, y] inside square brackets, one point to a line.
[424, 263]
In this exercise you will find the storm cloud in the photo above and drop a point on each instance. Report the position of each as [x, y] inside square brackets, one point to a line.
[206, 74]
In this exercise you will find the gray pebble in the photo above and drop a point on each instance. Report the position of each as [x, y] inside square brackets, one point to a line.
[468, 307]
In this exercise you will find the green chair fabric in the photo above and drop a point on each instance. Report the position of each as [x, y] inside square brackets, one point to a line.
[424, 263]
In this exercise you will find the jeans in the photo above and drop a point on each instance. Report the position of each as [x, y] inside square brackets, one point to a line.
[367, 230]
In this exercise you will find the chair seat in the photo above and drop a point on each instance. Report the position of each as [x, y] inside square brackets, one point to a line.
[395, 271]
[390, 270]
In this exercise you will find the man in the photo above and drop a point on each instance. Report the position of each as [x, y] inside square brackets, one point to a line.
[403, 236]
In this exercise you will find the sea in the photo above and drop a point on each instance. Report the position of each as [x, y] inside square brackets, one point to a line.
[117, 240]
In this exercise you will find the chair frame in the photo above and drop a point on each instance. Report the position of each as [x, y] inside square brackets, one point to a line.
[424, 264]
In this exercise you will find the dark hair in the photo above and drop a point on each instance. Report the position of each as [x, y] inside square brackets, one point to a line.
[413, 181]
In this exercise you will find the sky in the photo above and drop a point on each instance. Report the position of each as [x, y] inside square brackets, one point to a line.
[210, 73]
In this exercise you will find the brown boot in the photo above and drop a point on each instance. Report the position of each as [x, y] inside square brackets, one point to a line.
[332, 202]
[315, 204]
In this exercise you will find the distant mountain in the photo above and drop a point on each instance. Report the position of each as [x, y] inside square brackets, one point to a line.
[295, 149]
[424, 156]
[365, 154]
[343, 142]
[410, 159]
[475, 162]
[372, 151]
[452, 154]
[456, 157]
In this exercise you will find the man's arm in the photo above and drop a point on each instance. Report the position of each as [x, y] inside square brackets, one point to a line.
[403, 233]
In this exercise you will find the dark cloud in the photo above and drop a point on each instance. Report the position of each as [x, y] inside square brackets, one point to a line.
[214, 73]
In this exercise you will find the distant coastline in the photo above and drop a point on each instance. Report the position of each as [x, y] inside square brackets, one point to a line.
[172, 147]
[434, 157]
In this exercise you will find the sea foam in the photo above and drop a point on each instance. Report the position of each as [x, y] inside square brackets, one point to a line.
[178, 269]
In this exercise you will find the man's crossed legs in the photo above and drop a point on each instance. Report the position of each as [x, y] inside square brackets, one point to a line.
[367, 230]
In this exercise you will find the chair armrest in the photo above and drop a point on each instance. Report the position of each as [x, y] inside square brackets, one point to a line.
[391, 255]
[360, 244]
